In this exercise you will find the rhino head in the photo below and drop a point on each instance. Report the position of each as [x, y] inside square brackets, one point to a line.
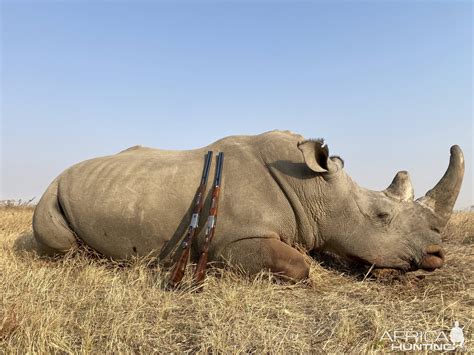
[387, 229]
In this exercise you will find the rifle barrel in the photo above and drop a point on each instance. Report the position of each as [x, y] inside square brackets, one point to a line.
[207, 166]
[220, 163]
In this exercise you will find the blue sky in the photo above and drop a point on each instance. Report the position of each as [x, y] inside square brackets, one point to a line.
[388, 84]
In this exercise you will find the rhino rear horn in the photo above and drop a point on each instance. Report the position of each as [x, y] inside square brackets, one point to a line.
[401, 187]
[442, 197]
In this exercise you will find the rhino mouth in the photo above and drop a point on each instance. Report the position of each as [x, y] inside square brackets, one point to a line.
[402, 266]
[432, 259]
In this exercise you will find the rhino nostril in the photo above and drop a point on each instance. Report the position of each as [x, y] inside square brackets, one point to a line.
[433, 258]
[439, 254]
[435, 250]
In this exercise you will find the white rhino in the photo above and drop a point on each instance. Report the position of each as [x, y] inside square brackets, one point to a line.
[281, 196]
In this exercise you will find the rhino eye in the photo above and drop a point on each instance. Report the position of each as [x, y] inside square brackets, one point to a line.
[384, 216]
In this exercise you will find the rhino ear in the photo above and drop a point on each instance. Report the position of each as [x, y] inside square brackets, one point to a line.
[316, 156]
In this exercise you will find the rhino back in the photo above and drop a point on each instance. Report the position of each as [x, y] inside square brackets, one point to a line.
[134, 202]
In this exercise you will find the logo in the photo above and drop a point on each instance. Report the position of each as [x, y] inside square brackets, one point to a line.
[425, 340]
[456, 335]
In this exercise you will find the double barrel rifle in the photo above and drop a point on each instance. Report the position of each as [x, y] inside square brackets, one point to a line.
[178, 271]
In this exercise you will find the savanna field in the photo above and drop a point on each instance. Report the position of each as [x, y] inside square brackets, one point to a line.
[87, 304]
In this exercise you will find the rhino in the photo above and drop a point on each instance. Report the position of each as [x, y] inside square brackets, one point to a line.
[282, 196]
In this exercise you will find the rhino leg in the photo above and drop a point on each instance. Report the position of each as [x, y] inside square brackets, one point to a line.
[267, 254]
[50, 228]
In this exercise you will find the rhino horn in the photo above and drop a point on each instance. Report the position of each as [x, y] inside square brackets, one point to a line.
[442, 197]
[401, 187]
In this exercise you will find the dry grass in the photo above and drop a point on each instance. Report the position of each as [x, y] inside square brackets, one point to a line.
[79, 304]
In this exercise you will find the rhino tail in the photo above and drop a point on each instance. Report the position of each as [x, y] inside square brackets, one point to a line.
[51, 230]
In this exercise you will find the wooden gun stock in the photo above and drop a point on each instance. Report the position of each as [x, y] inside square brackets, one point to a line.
[200, 272]
[178, 272]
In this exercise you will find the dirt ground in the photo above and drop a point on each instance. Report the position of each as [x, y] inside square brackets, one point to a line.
[83, 304]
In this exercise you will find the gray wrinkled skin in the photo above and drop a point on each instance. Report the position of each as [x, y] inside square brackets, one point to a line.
[279, 191]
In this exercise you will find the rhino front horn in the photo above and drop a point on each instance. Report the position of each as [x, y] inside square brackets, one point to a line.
[401, 188]
[442, 197]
